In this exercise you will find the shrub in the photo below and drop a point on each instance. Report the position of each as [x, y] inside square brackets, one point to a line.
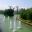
[26, 14]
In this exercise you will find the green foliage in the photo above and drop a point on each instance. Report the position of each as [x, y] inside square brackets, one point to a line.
[26, 14]
[9, 12]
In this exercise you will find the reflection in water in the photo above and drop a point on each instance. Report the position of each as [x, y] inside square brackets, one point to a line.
[16, 23]
[2, 23]
[10, 23]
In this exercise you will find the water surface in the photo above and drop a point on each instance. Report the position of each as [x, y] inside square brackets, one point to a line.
[11, 24]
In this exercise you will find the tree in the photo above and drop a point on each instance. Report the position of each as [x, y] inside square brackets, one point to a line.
[9, 12]
[27, 14]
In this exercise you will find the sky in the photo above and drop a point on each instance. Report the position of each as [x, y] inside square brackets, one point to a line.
[4, 4]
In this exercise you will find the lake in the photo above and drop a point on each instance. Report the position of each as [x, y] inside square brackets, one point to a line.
[11, 24]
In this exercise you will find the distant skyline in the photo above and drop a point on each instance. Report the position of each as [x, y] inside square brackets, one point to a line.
[4, 4]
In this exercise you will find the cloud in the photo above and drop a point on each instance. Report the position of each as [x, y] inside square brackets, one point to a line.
[4, 4]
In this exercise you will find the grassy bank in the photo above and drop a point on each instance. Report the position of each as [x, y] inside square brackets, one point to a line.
[28, 22]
